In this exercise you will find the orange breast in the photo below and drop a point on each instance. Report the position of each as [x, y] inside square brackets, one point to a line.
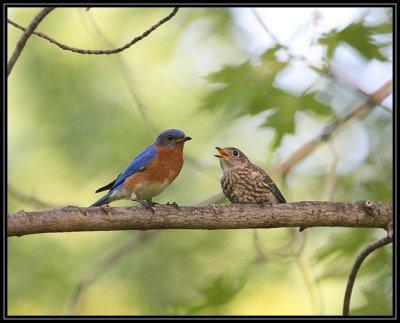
[158, 174]
[167, 165]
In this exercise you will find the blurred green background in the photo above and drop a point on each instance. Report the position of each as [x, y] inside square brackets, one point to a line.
[74, 121]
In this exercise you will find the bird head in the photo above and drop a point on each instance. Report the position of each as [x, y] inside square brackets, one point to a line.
[230, 157]
[172, 138]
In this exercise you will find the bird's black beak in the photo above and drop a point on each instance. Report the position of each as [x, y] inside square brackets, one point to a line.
[184, 139]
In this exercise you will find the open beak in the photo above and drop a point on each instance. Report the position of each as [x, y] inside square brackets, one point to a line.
[222, 153]
[184, 139]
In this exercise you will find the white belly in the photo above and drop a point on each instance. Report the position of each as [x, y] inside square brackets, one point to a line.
[145, 191]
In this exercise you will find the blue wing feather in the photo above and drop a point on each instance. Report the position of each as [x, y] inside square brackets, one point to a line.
[138, 162]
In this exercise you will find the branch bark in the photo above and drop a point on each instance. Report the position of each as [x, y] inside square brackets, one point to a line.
[298, 214]
[25, 36]
[99, 51]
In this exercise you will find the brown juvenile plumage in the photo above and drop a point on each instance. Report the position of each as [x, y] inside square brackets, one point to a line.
[243, 182]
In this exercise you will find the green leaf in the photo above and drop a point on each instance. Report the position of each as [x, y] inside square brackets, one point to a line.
[270, 54]
[376, 304]
[248, 89]
[339, 255]
[219, 292]
[345, 245]
[383, 28]
[378, 296]
[283, 120]
[359, 36]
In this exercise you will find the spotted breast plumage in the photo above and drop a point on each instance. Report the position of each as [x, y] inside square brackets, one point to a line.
[149, 172]
[243, 182]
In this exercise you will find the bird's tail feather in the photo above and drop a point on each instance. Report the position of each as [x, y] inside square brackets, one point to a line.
[103, 200]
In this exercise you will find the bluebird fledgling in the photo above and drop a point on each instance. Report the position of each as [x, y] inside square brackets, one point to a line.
[149, 172]
[243, 182]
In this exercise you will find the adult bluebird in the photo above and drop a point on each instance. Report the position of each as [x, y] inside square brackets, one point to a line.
[243, 182]
[149, 172]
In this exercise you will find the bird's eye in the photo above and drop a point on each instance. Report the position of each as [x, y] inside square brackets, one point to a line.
[169, 137]
[235, 153]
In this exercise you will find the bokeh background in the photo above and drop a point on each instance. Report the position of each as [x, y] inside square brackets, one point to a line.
[265, 80]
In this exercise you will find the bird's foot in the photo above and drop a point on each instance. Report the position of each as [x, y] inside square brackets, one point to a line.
[152, 203]
[148, 205]
[174, 204]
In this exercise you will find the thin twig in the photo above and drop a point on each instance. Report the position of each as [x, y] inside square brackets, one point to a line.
[101, 266]
[127, 73]
[25, 36]
[106, 262]
[30, 200]
[339, 77]
[262, 255]
[331, 177]
[329, 189]
[100, 51]
[324, 72]
[358, 113]
[386, 109]
[309, 286]
[356, 266]
[320, 296]
[329, 130]
[296, 239]
[265, 27]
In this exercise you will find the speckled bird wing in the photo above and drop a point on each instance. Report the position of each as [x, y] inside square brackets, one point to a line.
[271, 185]
[138, 163]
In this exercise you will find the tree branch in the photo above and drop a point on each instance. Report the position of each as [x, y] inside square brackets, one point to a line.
[298, 214]
[358, 113]
[327, 73]
[298, 155]
[25, 36]
[357, 264]
[99, 51]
